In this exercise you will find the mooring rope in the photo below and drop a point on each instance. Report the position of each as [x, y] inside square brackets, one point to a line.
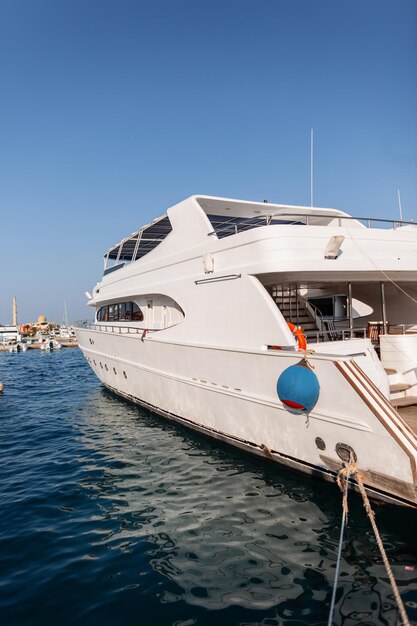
[371, 515]
[343, 480]
[344, 487]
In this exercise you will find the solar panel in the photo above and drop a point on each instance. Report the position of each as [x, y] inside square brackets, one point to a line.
[141, 242]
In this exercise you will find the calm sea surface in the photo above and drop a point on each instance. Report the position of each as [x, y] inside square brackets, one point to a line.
[110, 515]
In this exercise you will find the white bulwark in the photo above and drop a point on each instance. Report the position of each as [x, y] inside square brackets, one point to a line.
[201, 313]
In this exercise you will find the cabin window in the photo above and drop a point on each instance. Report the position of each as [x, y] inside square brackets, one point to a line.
[137, 314]
[120, 312]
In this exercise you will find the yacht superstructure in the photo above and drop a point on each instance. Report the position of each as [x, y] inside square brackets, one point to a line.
[201, 313]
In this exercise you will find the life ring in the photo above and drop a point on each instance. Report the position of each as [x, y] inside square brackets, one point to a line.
[298, 333]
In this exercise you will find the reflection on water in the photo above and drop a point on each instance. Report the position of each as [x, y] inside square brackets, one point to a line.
[123, 518]
[228, 530]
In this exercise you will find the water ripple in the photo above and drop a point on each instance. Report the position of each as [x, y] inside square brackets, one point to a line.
[111, 515]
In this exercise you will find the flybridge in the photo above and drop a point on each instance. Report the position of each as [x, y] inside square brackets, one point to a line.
[227, 217]
[230, 217]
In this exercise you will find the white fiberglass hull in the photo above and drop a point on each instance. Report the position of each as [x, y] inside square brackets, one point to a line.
[231, 395]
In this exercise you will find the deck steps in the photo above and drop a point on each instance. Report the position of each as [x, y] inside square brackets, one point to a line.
[390, 371]
[398, 387]
[293, 308]
[403, 402]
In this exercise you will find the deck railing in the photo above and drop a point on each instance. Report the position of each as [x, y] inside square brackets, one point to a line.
[402, 329]
[115, 328]
[233, 225]
[341, 334]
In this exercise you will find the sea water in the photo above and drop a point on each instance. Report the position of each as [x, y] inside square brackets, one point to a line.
[112, 516]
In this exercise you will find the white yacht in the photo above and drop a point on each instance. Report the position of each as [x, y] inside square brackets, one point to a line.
[287, 331]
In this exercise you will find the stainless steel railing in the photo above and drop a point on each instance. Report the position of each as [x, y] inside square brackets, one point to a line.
[115, 328]
[299, 219]
[402, 329]
[322, 336]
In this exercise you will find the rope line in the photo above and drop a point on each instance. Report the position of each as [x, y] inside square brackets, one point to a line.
[350, 469]
[344, 487]
[370, 513]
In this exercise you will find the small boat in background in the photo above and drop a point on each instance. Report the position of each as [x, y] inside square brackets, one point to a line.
[18, 347]
[51, 344]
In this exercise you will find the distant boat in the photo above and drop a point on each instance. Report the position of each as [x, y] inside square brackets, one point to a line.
[65, 332]
[18, 347]
[51, 344]
[287, 331]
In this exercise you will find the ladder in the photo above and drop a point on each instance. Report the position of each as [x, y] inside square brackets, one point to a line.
[293, 308]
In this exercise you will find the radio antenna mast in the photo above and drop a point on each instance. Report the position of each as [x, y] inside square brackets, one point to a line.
[399, 205]
[311, 165]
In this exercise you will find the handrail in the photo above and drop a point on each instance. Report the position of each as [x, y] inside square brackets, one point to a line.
[257, 221]
[321, 336]
[403, 328]
[112, 328]
[369, 220]
[316, 313]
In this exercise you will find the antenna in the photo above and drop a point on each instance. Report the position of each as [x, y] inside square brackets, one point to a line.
[311, 165]
[399, 205]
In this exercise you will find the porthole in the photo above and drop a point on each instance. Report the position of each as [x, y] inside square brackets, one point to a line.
[114, 370]
[345, 452]
[320, 443]
[101, 365]
[106, 368]
[124, 374]
[94, 361]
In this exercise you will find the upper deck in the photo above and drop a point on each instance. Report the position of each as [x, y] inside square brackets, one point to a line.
[224, 217]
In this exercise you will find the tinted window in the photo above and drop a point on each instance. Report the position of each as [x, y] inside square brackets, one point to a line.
[123, 312]
[129, 311]
[137, 314]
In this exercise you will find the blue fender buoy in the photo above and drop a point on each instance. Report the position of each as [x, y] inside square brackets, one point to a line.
[298, 388]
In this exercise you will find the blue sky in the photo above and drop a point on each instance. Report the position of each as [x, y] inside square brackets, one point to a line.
[113, 110]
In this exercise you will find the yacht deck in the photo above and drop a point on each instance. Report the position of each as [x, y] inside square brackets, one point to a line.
[409, 415]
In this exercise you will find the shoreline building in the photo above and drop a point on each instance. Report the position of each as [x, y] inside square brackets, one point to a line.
[9, 333]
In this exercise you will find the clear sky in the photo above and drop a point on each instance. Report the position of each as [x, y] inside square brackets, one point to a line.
[113, 110]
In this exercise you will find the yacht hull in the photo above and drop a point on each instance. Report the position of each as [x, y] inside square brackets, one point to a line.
[231, 395]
